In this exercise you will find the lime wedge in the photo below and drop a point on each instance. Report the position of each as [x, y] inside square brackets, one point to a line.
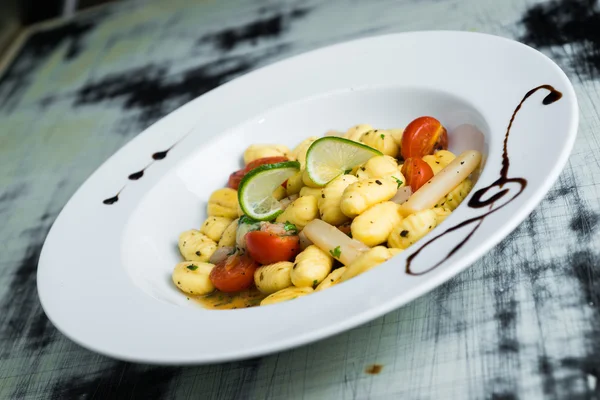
[255, 192]
[330, 156]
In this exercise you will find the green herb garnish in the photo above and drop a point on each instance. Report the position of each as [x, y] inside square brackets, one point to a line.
[336, 253]
[289, 227]
[244, 219]
[315, 283]
[398, 181]
[192, 267]
[346, 172]
[382, 136]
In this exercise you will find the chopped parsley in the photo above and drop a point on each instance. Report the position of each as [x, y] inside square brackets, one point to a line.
[398, 181]
[336, 253]
[382, 136]
[192, 267]
[315, 282]
[289, 227]
[346, 172]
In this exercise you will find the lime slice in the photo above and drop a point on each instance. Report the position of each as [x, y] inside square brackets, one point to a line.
[255, 192]
[330, 156]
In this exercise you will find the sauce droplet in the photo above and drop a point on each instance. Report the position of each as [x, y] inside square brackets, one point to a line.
[159, 155]
[136, 175]
[111, 200]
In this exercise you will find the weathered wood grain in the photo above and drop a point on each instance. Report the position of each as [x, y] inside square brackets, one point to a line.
[523, 322]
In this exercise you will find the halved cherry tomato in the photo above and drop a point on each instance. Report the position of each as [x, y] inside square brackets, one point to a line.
[236, 177]
[265, 160]
[234, 273]
[416, 172]
[269, 248]
[423, 136]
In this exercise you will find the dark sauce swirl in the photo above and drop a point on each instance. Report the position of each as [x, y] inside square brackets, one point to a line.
[479, 198]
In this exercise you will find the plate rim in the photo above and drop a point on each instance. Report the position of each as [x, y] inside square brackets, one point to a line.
[373, 312]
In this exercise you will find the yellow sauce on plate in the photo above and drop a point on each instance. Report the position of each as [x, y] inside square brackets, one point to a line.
[230, 301]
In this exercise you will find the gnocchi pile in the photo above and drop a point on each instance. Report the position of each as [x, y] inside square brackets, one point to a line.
[323, 234]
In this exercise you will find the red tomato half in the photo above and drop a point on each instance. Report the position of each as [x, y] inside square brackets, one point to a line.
[423, 136]
[234, 274]
[265, 160]
[236, 177]
[417, 172]
[269, 248]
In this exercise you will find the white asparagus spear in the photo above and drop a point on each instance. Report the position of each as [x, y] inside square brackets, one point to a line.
[330, 239]
[442, 183]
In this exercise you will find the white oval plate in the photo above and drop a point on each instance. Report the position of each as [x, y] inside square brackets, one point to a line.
[104, 272]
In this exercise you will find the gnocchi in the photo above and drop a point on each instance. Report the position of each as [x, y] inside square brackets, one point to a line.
[193, 277]
[196, 246]
[331, 198]
[273, 277]
[300, 212]
[290, 293]
[223, 203]
[229, 234]
[311, 267]
[258, 151]
[308, 191]
[439, 160]
[299, 152]
[214, 227]
[295, 184]
[456, 195]
[320, 235]
[381, 140]
[366, 261]
[363, 194]
[332, 279]
[412, 229]
[356, 132]
[373, 226]
[379, 167]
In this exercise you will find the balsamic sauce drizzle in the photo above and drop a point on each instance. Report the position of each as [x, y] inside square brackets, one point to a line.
[476, 200]
[159, 155]
[111, 200]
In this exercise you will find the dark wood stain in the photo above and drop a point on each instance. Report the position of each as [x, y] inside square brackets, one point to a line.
[374, 369]
[265, 28]
[571, 23]
[477, 200]
[20, 308]
[152, 91]
[120, 380]
[39, 46]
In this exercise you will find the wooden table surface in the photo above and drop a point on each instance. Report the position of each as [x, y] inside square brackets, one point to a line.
[522, 323]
